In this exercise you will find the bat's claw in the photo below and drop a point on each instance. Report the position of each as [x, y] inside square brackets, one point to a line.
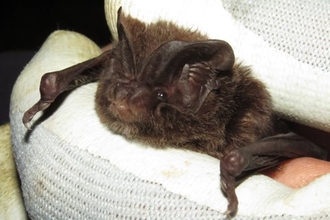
[29, 114]
[27, 117]
[227, 213]
[231, 209]
[26, 125]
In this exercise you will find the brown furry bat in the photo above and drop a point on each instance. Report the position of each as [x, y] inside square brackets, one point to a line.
[168, 86]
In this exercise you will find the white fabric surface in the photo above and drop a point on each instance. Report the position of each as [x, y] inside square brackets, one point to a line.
[73, 167]
[287, 43]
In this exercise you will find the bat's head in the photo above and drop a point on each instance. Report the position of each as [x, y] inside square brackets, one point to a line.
[160, 90]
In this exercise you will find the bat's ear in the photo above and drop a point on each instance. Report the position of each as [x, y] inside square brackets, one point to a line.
[120, 28]
[201, 66]
[127, 53]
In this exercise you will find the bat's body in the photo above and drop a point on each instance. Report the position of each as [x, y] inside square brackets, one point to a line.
[219, 124]
[168, 86]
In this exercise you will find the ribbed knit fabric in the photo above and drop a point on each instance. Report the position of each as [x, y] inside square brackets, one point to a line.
[72, 167]
[298, 28]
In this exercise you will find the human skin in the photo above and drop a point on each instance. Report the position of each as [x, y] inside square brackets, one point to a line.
[299, 172]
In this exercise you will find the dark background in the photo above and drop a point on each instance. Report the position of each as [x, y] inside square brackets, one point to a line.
[24, 26]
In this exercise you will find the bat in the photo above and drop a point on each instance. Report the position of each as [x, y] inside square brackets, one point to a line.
[165, 85]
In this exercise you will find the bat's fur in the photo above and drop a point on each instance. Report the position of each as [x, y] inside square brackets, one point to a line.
[169, 86]
[237, 114]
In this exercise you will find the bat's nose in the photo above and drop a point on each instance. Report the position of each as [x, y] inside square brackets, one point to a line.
[124, 89]
[121, 92]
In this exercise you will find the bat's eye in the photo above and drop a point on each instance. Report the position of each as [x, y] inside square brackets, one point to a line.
[161, 96]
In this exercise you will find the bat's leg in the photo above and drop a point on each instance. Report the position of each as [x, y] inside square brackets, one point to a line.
[54, 83]
[262, 154]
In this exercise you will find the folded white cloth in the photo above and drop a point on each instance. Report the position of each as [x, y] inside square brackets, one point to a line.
[72, 167]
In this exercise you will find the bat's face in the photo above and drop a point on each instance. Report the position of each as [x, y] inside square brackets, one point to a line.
[150, 93]
[130, 99]
[133, 98]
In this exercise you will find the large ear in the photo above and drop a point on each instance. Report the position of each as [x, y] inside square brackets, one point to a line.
[192, 70]
[126, 52]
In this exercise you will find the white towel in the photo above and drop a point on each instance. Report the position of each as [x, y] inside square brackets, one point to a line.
[72, 167]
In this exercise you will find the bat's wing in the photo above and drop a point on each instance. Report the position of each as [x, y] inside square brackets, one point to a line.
[260, 155]
[54, 83]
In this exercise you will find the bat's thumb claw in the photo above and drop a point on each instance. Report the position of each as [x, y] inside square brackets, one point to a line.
[26, 125]
[26, 119]
[231, 209]
[228, 214]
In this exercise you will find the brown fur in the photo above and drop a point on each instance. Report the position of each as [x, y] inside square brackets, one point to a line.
[167, 86]
[235, 115]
